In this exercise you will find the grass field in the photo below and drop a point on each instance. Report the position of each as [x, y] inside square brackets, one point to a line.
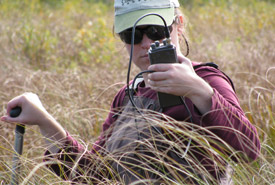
[65, 52]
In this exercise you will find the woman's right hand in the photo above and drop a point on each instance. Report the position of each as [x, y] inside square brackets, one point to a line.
[33, 112]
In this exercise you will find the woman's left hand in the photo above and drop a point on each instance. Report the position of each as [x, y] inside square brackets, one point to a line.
[180, 79]
[177, 78]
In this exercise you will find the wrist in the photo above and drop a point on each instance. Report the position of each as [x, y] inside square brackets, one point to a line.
[201, 96]
[51, 129]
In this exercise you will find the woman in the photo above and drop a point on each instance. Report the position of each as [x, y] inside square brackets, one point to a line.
[209, 102]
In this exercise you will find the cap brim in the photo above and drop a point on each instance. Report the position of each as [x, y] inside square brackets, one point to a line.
[127, 20]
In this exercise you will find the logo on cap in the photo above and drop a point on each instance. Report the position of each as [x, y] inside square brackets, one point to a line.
[123, 2]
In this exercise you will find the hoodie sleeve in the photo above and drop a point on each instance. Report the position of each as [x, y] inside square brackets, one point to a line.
[74, 162]
[226, 118]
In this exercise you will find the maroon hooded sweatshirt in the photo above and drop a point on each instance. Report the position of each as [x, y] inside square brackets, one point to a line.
[225, 120]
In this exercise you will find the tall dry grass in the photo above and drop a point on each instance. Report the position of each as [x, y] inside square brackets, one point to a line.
[67, 54]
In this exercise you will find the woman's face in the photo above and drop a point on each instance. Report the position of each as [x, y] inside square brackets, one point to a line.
[140, 52]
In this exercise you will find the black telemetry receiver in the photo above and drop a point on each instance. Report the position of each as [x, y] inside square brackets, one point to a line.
[164, 53]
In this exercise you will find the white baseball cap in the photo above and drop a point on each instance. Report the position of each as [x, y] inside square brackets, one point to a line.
[127, 12]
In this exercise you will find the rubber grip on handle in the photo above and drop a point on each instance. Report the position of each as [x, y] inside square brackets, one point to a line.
[14, 113]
